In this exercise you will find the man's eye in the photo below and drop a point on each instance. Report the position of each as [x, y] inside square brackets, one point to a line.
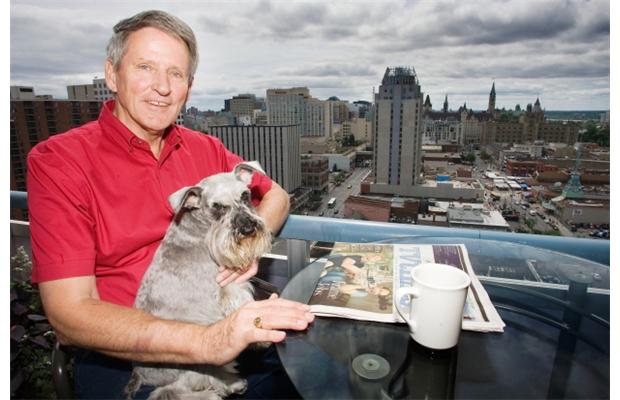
[144, 67]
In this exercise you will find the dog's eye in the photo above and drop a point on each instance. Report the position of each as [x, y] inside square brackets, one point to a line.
[245, 197]
[218, 210]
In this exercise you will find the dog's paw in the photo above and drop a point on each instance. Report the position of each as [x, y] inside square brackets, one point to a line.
[164, 393]
[239, 386]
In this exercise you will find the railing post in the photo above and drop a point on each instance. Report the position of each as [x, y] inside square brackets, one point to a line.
[297, 255]
[577, 296]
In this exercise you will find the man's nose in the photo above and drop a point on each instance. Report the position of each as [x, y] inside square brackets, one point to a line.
[161, 83]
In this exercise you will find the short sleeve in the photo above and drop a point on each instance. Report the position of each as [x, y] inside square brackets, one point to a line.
[61, 224]
[260, 183]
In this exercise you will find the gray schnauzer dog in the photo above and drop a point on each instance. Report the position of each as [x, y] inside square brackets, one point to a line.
[214, 225]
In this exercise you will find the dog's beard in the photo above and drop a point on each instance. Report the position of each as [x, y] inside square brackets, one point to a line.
[237, 252]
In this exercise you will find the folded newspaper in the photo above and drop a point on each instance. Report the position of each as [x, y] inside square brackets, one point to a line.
[359, 280]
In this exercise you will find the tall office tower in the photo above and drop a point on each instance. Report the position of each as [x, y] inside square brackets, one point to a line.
[81, 92]
[339, 110]
[491, 107]
[102, 92]
[295, 106]
[276, 148]
[398, 128]
[243, 105]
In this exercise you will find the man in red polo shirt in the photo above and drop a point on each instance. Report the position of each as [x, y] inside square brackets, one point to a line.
[98, 201]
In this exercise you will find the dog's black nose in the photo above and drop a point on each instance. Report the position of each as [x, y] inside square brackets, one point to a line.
[244, 224]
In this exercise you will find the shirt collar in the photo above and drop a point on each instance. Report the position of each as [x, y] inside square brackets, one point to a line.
[117, 131]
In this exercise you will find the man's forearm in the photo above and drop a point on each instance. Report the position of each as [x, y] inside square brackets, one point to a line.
[131, 334]
[274, 208]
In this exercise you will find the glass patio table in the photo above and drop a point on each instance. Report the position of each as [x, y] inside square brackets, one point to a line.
[555, 343]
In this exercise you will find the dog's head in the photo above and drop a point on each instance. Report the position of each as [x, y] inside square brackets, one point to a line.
[219, 212]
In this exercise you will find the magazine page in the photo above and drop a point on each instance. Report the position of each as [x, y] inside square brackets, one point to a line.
[479, 313]
[357, 283]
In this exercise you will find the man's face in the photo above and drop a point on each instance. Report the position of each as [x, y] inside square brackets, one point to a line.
[151, 83]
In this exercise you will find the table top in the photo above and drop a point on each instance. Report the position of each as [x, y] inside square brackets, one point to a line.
[536, 356]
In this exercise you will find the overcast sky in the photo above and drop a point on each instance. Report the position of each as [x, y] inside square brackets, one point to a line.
[555, 50]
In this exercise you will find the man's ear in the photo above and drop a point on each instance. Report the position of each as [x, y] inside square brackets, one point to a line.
[243, 171]
[110, 75]
[187, 198]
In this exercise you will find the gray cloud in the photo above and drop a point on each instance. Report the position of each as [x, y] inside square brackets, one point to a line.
[340, 70]
[342, 48]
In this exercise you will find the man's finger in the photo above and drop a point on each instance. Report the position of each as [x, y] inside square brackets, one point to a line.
[246, 275]
[229, 279]
[223, 274]
[266, 335]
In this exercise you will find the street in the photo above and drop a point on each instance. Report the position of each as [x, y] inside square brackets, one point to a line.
[350, 186]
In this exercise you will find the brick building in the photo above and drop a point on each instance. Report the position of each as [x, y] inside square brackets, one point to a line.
[33, 121]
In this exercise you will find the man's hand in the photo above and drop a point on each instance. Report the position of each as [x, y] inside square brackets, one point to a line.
[257, 321]
[227, 276]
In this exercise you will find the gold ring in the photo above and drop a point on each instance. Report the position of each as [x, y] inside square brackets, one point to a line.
[258, 323]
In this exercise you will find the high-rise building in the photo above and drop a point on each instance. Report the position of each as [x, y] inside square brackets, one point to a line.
[398, 128]
[276, 148]
[295, 106]
[243, 105]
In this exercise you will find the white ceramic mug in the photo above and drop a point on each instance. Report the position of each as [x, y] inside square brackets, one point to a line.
[437, 298]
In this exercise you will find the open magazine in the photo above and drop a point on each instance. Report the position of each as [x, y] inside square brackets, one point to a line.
[358, 282]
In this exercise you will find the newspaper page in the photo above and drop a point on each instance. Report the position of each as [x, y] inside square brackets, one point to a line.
[479, 313]
[358, 282]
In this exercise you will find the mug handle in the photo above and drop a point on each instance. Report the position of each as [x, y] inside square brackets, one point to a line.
[412, 293]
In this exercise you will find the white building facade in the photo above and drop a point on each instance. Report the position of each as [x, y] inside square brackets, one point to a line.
[295, 106]
[276, 148]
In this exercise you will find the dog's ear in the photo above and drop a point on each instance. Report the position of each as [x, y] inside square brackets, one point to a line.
[244, 171]
[187, 198]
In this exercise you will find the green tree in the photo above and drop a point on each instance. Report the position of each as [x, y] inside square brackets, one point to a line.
[596, 134]
[470, 158]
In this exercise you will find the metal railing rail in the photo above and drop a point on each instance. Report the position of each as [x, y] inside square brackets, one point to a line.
[310, 228]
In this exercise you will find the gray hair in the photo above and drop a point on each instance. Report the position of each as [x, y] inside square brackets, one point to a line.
[117, 46]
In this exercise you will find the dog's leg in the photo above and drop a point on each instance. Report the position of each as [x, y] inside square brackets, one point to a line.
[135, 381]
[194, 385]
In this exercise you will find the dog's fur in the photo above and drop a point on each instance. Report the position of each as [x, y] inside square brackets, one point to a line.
[214, 225]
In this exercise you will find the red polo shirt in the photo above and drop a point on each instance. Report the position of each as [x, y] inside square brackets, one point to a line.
[98, 199]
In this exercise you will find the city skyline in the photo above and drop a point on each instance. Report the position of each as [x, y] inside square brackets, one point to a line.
[557, 51]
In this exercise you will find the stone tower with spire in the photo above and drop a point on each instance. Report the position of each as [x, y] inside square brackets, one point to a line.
[445, 104]
[428, 107]
[537, 107]
[491, 107]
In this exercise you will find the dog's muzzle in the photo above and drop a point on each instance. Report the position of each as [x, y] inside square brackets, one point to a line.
[245, 224]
